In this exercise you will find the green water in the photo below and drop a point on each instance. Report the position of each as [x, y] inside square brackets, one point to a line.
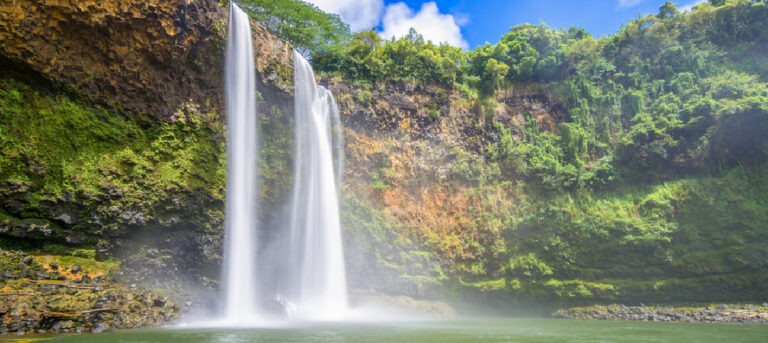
[474, 330]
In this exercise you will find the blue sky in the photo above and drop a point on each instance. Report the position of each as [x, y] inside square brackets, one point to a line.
[469, 23]
[490, 19]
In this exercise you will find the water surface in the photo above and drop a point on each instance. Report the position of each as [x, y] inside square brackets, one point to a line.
[467, 330]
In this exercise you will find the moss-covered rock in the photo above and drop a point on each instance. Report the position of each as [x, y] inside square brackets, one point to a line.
[712, 313]
[50, 294]
[113, 132]
[437, 189]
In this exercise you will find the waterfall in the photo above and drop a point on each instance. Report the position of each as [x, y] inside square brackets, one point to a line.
[338, 144]
[239, 279]
[316, 284]
[310, 280]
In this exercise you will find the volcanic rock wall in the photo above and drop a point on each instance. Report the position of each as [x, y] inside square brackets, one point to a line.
[150, 189]
[147, 57]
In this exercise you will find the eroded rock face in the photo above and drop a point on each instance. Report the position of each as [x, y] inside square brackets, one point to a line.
[410, 149]
[148, 57]
[160, 63]
[44, 298]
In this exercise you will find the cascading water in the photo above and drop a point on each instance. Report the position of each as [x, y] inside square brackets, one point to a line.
[239, 279]
[311, 269]
[315, 285]
[338, 144]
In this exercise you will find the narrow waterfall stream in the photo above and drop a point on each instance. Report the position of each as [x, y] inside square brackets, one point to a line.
[315, 285]
[239, 279]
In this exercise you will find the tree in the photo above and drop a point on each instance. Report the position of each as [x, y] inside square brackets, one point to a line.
[668, 10]
[307, 27]
[493, 75]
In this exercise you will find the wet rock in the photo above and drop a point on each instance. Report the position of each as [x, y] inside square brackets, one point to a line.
[153, 253]
[75, 237]
[725, 314]
[66, 218]
[721, 307]
[159, 302]
[103, 250]
[27, 228]
[23, 315]
[99, 328]
[76, 268]
[29, 260]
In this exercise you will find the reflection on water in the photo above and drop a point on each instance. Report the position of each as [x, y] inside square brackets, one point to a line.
[468, 330]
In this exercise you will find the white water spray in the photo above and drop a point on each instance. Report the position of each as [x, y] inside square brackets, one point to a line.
[312, 280]
[239, 279]
[315, 285]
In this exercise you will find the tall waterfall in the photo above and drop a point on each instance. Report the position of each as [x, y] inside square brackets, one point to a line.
[316, 284]
[239, 279]
[304, 269]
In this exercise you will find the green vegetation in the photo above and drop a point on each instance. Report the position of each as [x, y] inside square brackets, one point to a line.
[665, 94]
[304, 25]
[367, 58]
[653, 188]
[85, 258]
[72, 171]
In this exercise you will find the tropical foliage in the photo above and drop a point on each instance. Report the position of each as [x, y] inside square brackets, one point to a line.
[305, 26]
[650, 189]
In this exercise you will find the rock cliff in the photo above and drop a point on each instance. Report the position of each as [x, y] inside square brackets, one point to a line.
[113, 135]
[146, 57]
[408, 208]
[112, 153]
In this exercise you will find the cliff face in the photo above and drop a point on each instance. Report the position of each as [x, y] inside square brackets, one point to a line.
[414, 207]
[112, 147]
[113, 134]
[147, 57]
[439, 201]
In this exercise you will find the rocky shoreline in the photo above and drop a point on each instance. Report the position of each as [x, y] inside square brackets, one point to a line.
[714, 313]
[34, 299]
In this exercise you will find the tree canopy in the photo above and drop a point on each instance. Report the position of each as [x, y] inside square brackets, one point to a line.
[305, 26]
[666, 93]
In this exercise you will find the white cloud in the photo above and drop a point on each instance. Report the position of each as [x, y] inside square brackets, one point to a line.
[428, 21]
[689, 7]
[629, 3]
[359, 14]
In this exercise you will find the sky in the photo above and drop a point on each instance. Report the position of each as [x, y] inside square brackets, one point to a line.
[471, 23]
